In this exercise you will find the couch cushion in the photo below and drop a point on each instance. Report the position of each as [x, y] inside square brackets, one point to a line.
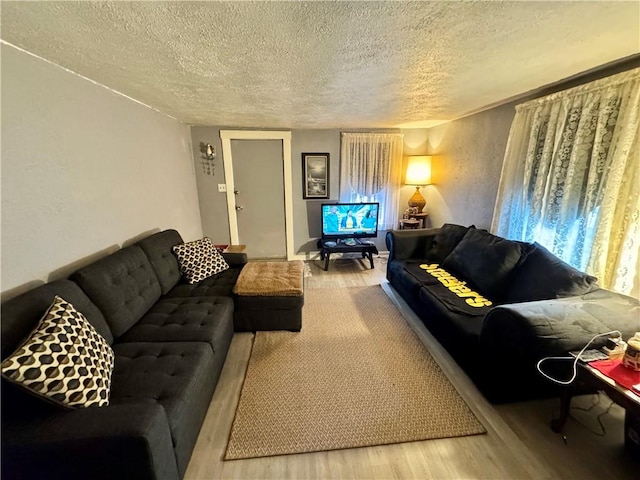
[466, 324]
[64, 360]
[485, 260]
[271, 279]
[543, 276]
[157, 248]
[191, 319]
[406, 285]
[448, 236]
[219, 285]
[408, 276]
[418, 270]
[458, 332]
[454, 294]
[22, 313]
[181, 377]
[199, 260]
[123, 285]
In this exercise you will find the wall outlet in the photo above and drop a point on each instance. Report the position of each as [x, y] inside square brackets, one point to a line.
[222, 187]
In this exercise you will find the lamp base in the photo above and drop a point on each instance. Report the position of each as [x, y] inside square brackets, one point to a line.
[417, 200]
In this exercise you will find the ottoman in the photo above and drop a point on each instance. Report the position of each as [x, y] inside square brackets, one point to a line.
[269, 296]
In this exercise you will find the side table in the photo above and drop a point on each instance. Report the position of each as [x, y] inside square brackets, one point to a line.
[589, 377]
[409, 223]
[420, 216]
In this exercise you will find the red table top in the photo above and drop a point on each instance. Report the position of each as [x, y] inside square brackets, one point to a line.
[618, 372]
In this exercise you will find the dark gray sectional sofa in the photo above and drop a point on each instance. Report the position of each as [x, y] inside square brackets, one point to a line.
[170, 341]
[500, 306]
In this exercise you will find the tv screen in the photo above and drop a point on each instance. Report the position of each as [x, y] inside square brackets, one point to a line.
[349, 220]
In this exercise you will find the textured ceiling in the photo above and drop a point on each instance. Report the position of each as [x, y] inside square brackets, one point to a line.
[323, 64]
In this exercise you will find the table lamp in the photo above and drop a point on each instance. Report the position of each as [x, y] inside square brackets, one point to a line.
[419, 175]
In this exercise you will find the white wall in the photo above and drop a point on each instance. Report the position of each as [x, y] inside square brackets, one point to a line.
[213, 204]
[84, 170]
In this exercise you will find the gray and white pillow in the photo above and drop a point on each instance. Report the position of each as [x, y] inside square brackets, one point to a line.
[199, 260]
[64, 360]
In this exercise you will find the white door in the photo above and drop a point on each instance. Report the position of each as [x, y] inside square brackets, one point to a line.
[284, 137]
[259, 197]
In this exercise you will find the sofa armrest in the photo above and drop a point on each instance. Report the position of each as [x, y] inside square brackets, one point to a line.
[515, 337]
[114, 442]
[406, 244]
[554, 327]
[235, 260]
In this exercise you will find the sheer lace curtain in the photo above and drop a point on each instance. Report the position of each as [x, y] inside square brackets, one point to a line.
[570, 178]
[371, 171]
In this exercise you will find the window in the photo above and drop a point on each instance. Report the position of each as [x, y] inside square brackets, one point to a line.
[569, 178]
[371, 170]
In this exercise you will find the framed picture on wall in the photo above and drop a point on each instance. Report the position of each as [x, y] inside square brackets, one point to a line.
[315, 175]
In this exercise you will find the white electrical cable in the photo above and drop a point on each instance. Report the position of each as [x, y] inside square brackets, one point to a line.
[575, 361]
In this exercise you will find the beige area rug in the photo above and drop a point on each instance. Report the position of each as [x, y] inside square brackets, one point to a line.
[355, 376]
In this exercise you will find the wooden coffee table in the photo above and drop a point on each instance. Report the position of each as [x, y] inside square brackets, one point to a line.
[589, 378]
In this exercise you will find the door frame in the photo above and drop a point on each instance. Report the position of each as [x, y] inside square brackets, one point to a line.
[285, 136]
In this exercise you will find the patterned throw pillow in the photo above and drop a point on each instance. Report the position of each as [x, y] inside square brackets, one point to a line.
[199, 260]
[64, 360]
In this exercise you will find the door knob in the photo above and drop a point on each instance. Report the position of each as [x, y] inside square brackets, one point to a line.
[239, 207]
[235, 192]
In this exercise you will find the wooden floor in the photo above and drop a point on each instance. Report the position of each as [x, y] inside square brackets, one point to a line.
[519, 443]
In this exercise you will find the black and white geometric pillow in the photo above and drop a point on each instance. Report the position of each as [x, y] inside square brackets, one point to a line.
[64, 360]
[199, 260]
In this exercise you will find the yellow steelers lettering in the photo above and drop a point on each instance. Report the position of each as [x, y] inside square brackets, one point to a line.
[438, 273]
[478, 302]
[453, 282]
[447, 281]
[470, 293]
[432, 266]
[454, 285]
[460, 289]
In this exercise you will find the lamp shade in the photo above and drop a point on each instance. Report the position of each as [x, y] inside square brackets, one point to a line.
[418, 170]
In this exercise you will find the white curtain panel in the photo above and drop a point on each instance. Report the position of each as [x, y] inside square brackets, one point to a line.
[371, 171]
[570, 178]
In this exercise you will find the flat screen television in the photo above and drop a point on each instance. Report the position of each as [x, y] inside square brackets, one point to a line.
[349, 220]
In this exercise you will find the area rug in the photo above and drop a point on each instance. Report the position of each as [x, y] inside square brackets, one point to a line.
[356, 375]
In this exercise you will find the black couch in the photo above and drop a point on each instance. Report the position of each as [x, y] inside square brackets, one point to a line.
[170, 341]
[499, 306]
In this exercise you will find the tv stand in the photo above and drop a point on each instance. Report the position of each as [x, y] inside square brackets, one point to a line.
[362, 246]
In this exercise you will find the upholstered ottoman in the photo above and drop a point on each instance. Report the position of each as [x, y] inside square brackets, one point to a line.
[269, 296]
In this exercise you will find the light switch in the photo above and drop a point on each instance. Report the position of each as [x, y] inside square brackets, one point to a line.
[222, 187]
